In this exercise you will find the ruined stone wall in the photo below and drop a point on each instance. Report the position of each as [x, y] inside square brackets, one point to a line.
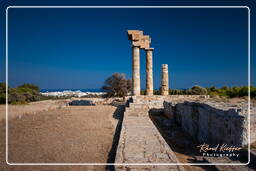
[210, 124]
[253, 127]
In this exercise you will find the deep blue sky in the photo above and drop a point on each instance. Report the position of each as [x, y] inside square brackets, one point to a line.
[80, 48]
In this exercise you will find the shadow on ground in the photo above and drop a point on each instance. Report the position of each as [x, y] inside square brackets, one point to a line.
[186, 150]
[179, 141]
[118, 114]
[243, 158]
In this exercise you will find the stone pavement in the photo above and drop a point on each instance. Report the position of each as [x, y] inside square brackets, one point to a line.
[140, 141]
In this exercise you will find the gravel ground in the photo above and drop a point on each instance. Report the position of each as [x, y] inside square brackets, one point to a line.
[74, 134]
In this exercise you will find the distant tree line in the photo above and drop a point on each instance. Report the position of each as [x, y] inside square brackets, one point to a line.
[118, 86]
[223, 91]
[20, 95]
[232, 91]
[195, 90]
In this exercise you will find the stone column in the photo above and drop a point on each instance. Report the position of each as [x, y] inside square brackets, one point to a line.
[165, 82]
[135, 71]
[149, 72]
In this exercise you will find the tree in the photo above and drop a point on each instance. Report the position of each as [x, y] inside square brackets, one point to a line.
[213, 88]
[117, 85]
[2, 87]
[197, 90]
[2, 93]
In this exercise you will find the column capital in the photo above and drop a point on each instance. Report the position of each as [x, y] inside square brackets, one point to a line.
[149, 49]
[164, 66]
[138, 46]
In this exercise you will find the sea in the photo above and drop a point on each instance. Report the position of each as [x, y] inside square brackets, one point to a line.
[61, 90]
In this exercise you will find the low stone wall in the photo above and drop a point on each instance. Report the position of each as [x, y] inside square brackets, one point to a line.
[212, 125]
[169, 97]
[31, 108]
[94, 101]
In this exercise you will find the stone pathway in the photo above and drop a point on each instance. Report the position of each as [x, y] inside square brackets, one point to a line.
[140, 142]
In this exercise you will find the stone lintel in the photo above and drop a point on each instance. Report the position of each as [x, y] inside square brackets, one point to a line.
[135, 35]
[138, 39]
[145, 42]
[146, 38]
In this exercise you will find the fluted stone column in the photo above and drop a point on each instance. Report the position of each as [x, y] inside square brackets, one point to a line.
[165, 82]
[149, 71]
[136, 70]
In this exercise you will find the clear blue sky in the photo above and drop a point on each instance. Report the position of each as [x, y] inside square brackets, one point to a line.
[80, 48]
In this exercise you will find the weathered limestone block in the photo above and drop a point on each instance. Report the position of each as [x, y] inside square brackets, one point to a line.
[203, 125]
[149, 72]
[252, 127]
[137, 38]
[168, 110]
[165, 80]
[135, 35]
[210, 124]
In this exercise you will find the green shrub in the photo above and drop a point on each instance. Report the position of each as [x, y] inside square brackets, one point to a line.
[27, 86]
[156, 92]
[21, 94]
[197, 90]
[213, 93]
[2, 98]
[223, 91]
[2, 93]
[2, 88]
[143, 92]
[15, 96]
[232, 91]
[253, 92]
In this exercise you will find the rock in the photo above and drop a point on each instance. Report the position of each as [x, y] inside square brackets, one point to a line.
[81, 103]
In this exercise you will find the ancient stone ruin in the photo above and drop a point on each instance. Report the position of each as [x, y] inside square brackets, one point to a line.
[204, 119]
[200, 117]
[211, 123]
[140, 41]
[165, 80]
[207, 121]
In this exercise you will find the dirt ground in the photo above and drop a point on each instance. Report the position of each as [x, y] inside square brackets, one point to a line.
[73, 134]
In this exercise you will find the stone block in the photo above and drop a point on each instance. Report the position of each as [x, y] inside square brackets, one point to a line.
[210, 123]
[135, 35]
